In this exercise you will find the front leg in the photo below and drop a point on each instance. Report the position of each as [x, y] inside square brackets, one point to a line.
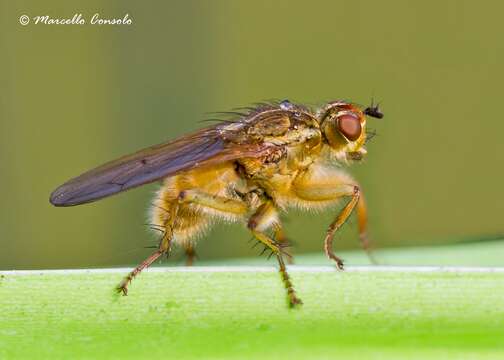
[332, 186]
[337, 223]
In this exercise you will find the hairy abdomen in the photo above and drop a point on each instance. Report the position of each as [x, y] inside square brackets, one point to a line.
[186, 221]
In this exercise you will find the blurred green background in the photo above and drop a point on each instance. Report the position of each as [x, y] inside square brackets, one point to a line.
[73, 97]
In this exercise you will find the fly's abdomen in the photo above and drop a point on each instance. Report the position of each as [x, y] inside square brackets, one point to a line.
[185, 218]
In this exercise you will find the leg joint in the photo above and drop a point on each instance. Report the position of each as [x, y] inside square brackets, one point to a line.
[252, 224]
[182, 196]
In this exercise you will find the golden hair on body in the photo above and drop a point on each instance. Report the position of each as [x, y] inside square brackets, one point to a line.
[272, 157]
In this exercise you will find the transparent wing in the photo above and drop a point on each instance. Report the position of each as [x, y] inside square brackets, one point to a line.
[242, 137]
[203, 148]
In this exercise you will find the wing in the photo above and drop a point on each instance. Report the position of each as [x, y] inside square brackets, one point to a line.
[222, 142]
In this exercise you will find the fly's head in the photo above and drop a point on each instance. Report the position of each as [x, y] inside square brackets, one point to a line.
[343, 125]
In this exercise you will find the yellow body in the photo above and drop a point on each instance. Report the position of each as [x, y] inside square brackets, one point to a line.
[300, 164]
[187, 220]
[271, 157]
[303, 175]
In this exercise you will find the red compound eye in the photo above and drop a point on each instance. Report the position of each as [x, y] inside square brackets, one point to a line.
[349, 125]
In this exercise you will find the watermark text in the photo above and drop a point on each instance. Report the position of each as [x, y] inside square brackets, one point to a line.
[76, 19]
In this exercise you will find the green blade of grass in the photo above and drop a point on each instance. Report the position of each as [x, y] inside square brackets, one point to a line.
[469, 253]
[243, 314]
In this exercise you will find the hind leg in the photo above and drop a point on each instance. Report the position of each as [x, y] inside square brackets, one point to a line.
[164, 216]
[164, 248]
[228, 206]
[176, 215]
[190, 252]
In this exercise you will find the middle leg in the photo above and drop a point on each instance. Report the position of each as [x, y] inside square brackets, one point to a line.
[279, 235]
[264, 217]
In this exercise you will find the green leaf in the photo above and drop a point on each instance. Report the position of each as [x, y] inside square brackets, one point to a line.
[241, 312]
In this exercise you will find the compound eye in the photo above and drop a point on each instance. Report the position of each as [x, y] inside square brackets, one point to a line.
[349, 125]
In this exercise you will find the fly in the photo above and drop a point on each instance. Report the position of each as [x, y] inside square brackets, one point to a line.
[269, 158]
